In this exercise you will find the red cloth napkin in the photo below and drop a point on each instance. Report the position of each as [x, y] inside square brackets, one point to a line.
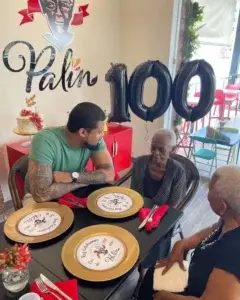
[156, 218]
[69, 287]
[69, 199]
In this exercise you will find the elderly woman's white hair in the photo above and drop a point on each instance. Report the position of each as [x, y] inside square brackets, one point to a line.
[227, 186]
[167, 133]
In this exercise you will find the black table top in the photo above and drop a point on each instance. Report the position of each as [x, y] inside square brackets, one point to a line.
[48, 254]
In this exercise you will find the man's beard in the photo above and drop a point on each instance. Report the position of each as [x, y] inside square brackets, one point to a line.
[92, 147]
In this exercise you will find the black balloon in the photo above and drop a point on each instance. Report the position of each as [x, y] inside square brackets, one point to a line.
[140, 75]
[180, 90]
[117, 78]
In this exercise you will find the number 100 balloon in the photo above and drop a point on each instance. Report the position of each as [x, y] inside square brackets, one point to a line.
[125, 94]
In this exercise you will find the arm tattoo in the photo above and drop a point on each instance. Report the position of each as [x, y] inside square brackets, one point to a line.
[104, 173]
[42, 186]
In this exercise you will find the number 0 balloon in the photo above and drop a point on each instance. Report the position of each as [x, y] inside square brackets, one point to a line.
[180, 90]
[160, 72]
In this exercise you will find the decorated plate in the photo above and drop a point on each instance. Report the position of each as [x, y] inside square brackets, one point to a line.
[38, 222]
[115, 202]
[100, 253]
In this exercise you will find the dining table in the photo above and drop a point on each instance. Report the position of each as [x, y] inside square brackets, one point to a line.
[46, 256]
[234, 140]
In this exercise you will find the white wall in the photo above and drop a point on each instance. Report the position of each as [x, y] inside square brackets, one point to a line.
[96, 43]
[130, 31]
[145, 35]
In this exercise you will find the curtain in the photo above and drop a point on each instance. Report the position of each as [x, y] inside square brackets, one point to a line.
[218, 21]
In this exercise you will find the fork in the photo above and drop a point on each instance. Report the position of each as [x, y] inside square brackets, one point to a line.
[43, 288]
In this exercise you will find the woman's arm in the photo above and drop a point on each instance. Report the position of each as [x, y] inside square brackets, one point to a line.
[180, 247]
[163, 295]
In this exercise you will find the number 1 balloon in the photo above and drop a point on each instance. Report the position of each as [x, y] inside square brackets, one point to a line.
[117, 78]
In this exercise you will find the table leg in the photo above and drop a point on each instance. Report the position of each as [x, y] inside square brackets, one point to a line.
[238, 152]
[229, 155]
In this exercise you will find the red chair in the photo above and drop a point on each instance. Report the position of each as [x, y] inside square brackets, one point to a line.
[230, 98]
[219, 103]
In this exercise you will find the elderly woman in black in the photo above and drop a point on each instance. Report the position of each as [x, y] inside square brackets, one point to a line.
[214, 272]
[162, 179]
[158, 176]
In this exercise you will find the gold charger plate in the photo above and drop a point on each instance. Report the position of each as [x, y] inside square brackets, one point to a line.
[97, 200]
[11, 225]
[100, 253]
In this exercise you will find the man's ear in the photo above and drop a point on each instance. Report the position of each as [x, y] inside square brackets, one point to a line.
[82, 132]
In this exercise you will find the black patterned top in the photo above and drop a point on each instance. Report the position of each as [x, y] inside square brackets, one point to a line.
[172, 187]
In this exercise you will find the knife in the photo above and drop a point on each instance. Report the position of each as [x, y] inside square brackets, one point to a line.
[54, 287]
[144, 222]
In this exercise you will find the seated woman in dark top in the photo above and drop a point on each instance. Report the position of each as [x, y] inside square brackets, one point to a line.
[162, 179]
[214, 272]
[157, 176]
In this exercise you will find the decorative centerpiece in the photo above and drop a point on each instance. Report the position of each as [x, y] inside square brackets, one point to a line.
[14, 267]
[29, 121]
[217, 134]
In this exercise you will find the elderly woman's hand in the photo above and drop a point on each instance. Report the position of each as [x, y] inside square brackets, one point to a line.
[176, 255]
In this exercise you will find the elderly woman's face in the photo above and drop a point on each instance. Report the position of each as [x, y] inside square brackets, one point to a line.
[160, 148]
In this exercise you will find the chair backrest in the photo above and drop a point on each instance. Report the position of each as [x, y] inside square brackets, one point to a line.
[192, 177]
[16, 179]
[219, 96]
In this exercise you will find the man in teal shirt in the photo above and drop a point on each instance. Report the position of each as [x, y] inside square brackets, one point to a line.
[59, 155]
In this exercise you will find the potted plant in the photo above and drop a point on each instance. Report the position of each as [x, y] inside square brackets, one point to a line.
[14, 267]
[194, 19]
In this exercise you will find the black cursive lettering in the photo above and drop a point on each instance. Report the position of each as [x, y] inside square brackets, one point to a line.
[68, 79]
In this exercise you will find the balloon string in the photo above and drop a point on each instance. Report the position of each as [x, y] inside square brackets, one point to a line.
[146, 138]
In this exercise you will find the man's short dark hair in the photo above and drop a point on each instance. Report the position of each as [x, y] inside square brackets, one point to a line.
[85, 115]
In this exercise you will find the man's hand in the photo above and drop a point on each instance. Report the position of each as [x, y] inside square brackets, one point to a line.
[62, 177]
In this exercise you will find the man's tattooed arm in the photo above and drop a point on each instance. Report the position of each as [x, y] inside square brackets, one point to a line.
[104, 173]
[42, 186]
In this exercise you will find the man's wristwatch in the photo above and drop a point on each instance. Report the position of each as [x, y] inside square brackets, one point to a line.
[75, 176]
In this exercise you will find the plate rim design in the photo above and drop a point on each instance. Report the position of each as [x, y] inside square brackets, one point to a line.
[74, 267]
[137, 200]
[11, 225]
[18, 223]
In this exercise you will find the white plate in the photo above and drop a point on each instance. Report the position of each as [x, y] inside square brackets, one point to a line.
[114, 202]
[39, 223]
[100, 253]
